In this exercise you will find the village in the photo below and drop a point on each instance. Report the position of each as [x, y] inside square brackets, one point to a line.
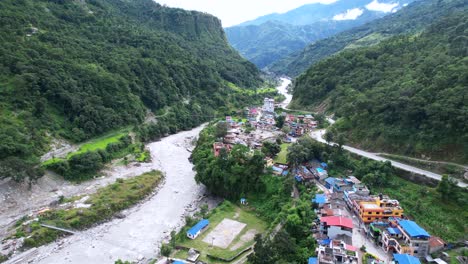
[352, 225]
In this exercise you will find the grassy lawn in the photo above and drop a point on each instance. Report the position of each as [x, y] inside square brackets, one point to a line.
[281, 157]
[103, 205]
[93, 144]
[446, 219]
[100, 142]
[226, 210]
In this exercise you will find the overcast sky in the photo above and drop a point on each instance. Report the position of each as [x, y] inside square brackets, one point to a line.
[233, 12]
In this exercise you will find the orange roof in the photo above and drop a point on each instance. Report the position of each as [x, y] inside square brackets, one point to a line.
[436, 242]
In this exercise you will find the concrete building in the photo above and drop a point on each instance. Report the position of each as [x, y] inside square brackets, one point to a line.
[269, 105]
[406, 237]
[337, 252]
[333, 226]
[381, 208]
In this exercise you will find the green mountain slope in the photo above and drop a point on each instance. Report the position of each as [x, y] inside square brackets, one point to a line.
[76, 69]
[405, 95]
[273, 40]
[410, 19]
[270, 38]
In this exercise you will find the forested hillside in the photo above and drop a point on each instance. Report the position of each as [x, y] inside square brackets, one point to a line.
[270, 38]
[405, 95]
[78, 68]
[413, 18]
[266, 43]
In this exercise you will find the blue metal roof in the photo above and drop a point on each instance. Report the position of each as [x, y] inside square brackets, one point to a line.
[406, 259]
[276, 168]
[199, 226]
[312, 260]
[323, 164]
[413, 229]
[393, 231]
[178, 262]
[324, 242]
[285, 173]
[298, 178]
[320, 170]
[330, 180]
[320, 198]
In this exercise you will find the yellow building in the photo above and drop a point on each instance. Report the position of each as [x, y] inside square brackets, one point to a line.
[379, 209]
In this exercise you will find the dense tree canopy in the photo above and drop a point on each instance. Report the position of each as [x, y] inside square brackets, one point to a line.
[406, 95]
[77, 69]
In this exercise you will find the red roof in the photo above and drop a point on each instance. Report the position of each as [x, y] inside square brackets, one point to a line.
[337, 221]
[436, 242]
[350, 247]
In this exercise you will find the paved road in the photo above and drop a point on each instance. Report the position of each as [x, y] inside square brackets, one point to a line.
[318, 135]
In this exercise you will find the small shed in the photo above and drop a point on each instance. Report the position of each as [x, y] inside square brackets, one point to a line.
[196, 230]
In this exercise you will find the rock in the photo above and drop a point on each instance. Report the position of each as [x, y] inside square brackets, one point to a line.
[120, 215]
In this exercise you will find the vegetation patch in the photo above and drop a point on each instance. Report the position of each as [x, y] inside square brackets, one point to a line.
[281, 157]
[226, 210]
[98, 207]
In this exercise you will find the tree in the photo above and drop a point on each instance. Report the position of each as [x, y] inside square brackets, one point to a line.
[270, 149]
[286, 130]
[447, 188]
[280, 121]
[329, 137]
[221, 129]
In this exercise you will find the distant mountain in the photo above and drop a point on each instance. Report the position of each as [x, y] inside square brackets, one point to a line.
[77, 69]
[405, 95]
[412, 18]
[269, 38]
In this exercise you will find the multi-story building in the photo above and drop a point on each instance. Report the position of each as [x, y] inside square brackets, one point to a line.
[337, 252]
[382, 208]
[406, 237]
[269, 105]
[333, 226]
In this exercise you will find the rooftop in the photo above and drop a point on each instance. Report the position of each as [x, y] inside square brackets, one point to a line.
[320, 198]
[312, 261]
[370, 206]
[405, 259]
[413, 229]
[199, 226]
[337, 221]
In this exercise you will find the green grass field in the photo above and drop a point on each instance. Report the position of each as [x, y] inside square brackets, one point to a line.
[93, 144]
[282, 156]
[225, 210]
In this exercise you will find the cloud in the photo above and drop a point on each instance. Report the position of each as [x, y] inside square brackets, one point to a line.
[233, 12]
[382, 7]
[350, 14]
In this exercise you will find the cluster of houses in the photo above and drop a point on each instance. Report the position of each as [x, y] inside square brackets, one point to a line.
[299, 124]
[380, 217]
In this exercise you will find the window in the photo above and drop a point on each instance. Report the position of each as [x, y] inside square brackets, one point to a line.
[368, 218]
[377, 212]
[397, 213]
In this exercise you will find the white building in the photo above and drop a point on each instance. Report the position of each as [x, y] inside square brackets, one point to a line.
[269, 105]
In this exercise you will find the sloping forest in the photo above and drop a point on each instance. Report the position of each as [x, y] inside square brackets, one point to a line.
[406, 95]
[76, 69]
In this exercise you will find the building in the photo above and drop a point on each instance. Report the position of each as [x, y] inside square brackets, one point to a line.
[406, 237]
[378, 209]
[269, 105]
[217, 146]
[405, 259]
[333, 226]
[320, 173]
[337, 252]
[312, 260]
[320, 199]
[196, 230]
[436, 244]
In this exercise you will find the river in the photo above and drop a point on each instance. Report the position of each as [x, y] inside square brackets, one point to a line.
[139, 235]
[285, 82]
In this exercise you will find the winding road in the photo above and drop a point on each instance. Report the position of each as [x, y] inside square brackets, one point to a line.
[318, 135]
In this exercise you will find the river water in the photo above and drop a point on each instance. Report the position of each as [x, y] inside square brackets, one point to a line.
[285, 82]
[139, 235]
